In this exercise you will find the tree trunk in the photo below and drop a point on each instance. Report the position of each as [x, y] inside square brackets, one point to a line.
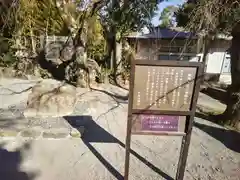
[115, 4]
[232, 112]
[207, 41]
[111, 56]
[114, 55]
[33, 42]
[110, 48]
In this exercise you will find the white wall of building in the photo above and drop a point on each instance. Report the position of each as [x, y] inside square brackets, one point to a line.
[226, 68]
[214, 62]
[216, 57]
[225, 76]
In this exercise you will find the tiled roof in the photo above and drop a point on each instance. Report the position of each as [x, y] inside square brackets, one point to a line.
[164, 33]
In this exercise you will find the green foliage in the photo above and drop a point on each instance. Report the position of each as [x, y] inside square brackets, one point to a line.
[229, 20]
[166, 17]
[120, 17]
[52, 17]
[209, 15]
[44, 73]
[128, 54]
[40, 17]
[48, 19]
[136, 15]
[44, 18]
[8, 59]
[183, 14]
[104, 74]
[127, 16]
[95, 39]
[4, 44]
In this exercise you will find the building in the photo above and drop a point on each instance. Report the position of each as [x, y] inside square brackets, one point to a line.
[169, 44]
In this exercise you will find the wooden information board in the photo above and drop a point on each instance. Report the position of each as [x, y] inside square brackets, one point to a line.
[163, 88]
[162, 101]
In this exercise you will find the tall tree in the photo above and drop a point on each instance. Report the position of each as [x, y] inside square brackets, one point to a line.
[95, 40]
[213, 17]
[167, 16]
[119, 17]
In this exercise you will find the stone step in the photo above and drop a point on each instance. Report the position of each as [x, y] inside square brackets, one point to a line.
[16, 125]
[38, 133]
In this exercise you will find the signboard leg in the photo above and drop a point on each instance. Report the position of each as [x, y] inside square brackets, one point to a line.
[128, 148]
[184, 151]
[186, 139]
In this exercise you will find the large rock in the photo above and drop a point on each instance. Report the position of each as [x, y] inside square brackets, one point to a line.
[51, 98]
[58, 47]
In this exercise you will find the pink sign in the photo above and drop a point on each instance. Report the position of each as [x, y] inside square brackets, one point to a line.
[159, 123]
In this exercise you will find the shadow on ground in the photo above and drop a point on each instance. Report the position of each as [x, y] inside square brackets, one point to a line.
[230, 138]
[218, 94]
[95, 133]
[10, 164]
[213, 118]
[205, 116]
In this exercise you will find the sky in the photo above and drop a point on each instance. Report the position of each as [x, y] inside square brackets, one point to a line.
[162, 5]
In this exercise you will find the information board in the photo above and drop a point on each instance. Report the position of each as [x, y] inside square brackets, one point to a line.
[162, 101]
[163, 88]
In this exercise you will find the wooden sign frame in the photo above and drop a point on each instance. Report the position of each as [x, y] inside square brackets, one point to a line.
[187, 114]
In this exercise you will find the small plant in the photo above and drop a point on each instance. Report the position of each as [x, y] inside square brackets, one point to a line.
[44, 73]
[7, 60]
[104, 75]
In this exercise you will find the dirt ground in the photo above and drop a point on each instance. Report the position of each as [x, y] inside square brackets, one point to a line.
[99, 155]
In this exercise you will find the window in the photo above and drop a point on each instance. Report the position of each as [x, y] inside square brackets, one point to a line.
[163, 57]
[167, 49]
[185, 58]
[175, 57]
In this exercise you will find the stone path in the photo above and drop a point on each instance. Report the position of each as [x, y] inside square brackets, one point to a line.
[214, 151]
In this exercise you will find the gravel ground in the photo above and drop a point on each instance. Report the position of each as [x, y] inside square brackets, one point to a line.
[214, 151]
